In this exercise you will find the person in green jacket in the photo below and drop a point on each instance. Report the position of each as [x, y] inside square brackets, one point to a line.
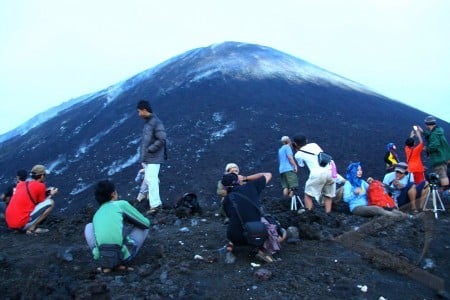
[437, 149]
[117, 231]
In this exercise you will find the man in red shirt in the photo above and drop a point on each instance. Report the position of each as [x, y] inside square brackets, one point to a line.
[31, 203]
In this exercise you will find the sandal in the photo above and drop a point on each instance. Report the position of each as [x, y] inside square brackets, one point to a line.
[229, 246]
[152, 210]
[118, 268]
[264, 257]
[36, 231]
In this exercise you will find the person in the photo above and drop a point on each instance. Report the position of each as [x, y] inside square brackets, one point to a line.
[152, 152]
[355, 194]
[242, 204]
[221, 190]
[391, 157]
[437, 149]
[402, 187]
[118, 229]
[143, 187]
[413, 154]
[320, 181]
[21, 175]
[287, 167]
[31, 203]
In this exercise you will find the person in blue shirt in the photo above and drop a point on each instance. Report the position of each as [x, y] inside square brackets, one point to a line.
[287, 167]
[403, 189]
[355, 194]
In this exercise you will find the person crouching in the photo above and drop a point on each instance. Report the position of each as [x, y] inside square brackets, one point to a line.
[117, 231]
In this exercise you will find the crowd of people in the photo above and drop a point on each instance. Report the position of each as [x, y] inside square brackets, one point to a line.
[119, 229]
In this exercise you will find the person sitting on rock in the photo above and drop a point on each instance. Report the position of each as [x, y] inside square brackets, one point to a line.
[355, 194]
[30, 203]
[401, 184]
[242, 204]
[117, 231]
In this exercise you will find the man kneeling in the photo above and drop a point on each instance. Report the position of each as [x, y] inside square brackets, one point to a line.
[117, 231]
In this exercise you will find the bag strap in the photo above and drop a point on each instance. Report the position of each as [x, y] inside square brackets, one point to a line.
[410, 153]
[231, 197]
[251, 202]
[308, 152]
[29, 194]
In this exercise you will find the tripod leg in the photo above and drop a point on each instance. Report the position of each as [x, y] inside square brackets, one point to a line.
[434, 204]
[300, 201]
[426, 200]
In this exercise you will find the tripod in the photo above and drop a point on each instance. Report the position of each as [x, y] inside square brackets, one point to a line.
[433, 193]
[295, 197]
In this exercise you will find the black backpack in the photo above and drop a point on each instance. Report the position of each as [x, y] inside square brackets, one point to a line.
[188, 204]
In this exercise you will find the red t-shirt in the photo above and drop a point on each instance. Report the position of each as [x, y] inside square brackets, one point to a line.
[19, 209]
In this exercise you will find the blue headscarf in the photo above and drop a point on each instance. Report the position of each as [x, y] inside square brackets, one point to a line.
[352, 170]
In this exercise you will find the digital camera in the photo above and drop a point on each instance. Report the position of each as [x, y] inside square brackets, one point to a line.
[433, 178]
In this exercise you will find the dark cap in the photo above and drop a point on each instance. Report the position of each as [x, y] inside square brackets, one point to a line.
[230, 179]
[300, 140]
[430, 120]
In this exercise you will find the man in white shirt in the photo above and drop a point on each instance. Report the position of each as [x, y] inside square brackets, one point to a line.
[320, 180]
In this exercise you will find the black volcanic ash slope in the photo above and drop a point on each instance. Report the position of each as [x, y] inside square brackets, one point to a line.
[227, 102]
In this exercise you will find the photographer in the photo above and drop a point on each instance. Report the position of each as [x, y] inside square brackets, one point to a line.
[401, 185]
[242, 204]
[30, 203]
[437, 149]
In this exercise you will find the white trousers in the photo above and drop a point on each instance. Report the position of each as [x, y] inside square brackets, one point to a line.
[152, 179]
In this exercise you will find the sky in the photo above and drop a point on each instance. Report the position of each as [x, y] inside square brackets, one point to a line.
[56, 50]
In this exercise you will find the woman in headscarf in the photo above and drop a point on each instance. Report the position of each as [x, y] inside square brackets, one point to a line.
[355, 194]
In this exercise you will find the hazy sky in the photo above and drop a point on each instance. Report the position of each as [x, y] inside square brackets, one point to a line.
[55, 50]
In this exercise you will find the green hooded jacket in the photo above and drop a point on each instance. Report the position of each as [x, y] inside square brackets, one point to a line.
[437, 146]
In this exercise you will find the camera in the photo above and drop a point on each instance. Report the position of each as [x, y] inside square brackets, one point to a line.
[433, 178]
[415, 128]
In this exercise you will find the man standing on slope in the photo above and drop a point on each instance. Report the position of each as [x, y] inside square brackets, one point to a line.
[437, 149]
[152, 152]
[287, 167]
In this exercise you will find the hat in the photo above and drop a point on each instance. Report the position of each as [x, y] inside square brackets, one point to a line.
[391, 146]
[285, 139]
[230, 179]
[430, 120]
[39, 170]
[230, 166]
[401, 167]
[300, 140]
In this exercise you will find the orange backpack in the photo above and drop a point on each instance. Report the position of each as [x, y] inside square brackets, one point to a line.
[376, 195]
